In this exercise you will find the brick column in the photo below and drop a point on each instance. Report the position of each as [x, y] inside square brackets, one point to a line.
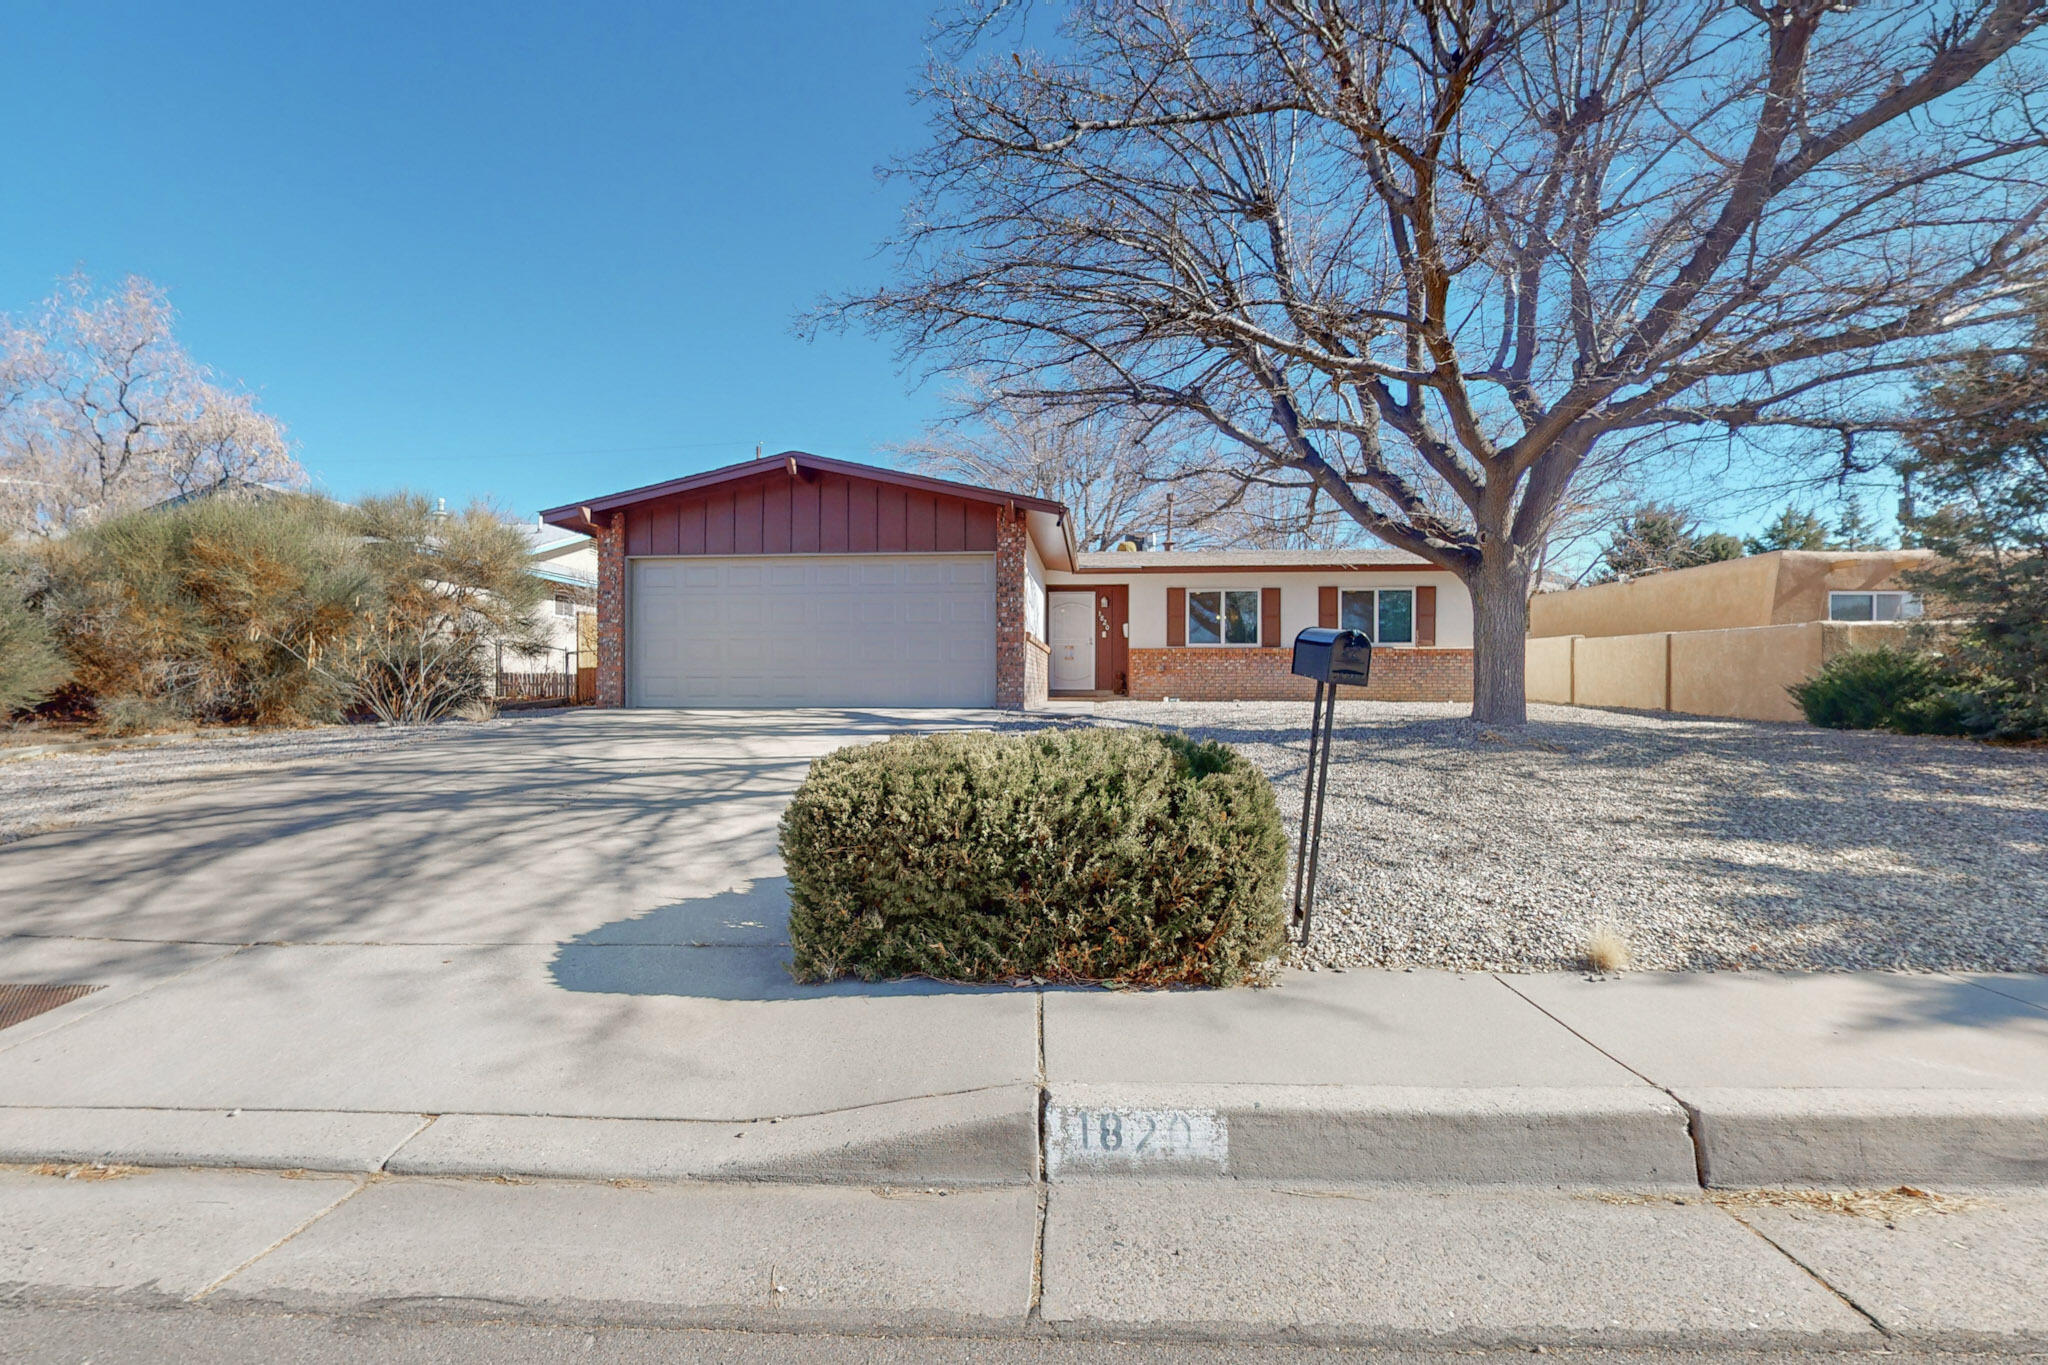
[1011, 685]
[611, 611]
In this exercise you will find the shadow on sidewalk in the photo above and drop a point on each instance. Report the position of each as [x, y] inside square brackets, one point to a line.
[731, 946]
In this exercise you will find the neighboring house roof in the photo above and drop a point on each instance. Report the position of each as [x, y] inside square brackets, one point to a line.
[1780, 587]
[542, 538]
[551, 544]
[1214, 561]
[227, 487]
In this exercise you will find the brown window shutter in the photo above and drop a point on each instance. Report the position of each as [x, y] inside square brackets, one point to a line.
[1176, 616]
[1326, 608]
[1269, 618]
[1425, 618]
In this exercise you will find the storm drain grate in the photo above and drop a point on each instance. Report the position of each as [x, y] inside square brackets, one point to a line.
[19, 1003]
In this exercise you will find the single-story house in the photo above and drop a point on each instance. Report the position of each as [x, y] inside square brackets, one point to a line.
[797, 580]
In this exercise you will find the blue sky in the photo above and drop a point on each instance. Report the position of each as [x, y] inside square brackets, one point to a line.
[530, 253]
[480, 249]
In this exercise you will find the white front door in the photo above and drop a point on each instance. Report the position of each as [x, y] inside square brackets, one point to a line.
[1072, 637]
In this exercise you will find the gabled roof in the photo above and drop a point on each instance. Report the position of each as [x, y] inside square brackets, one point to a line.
[578, 516]
[1208, 561]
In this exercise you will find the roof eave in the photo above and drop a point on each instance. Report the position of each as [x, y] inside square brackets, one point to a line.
[583, 516]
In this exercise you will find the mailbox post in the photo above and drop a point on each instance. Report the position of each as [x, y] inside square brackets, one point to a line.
[1331, 657]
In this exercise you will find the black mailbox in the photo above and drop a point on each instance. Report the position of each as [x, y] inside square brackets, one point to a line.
[1334, 656]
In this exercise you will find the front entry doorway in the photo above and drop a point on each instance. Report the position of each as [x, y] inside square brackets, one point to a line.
[1089, 632]
[1070, 630]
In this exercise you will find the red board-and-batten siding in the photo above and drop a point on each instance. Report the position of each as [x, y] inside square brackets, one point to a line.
[821, 513]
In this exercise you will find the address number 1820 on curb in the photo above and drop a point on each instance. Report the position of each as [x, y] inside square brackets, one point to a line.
[1105, 1136]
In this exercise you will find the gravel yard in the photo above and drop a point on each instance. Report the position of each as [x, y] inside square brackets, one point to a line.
[1703, 844]
[50, 791]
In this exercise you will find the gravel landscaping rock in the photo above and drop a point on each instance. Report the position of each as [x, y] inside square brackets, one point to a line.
[1703, 844]
[42, 792]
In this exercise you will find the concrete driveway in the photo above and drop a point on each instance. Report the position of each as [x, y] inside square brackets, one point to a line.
[577, 914]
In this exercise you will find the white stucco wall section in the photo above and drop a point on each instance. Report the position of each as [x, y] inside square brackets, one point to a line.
[1300, 605]
[1034, 592]
[579, 561]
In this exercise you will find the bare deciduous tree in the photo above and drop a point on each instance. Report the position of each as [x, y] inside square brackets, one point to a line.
[1435, 256]
[101, 410]
[1115, 471]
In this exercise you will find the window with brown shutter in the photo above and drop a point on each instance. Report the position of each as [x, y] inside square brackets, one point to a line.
[1425, 617]
[1176, 616]
[1269, 618]
[1326, 608]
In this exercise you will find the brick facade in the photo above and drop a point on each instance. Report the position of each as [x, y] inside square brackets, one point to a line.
[611, 612]
[1216, 674]
[1013, 644]
[1037, 670]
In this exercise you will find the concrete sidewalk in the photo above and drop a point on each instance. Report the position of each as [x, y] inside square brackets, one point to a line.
[353, 1060]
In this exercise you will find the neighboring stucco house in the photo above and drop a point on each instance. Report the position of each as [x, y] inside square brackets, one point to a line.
[1781, 588]
[567, 563]
[798, 580]
[1723, 639]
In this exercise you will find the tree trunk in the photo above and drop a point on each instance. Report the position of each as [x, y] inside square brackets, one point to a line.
[1500, 633]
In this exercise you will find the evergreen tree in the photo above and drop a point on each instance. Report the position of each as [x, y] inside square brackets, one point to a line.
[1796, 528]
[1982, 466]
[1856, 531]
[1657, 536]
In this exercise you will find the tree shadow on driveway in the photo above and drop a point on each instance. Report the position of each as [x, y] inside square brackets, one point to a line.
[729, 946]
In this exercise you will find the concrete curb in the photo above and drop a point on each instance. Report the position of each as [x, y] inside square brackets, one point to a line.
[1624, 1137]
[1751, 1138]
[1629, 1136]
[983, 1138]
[261, 1139]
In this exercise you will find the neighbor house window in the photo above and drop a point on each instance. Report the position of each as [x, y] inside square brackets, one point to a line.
[1223, 616]
[1873, 606]
[1386, 615]
[565, 605]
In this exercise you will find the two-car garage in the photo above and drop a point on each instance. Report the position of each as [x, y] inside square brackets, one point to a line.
[812, 630]
[803, 581]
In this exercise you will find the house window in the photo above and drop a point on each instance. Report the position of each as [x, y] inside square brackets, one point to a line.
[1386, 615]
[1223, 616]
[565, 605]
[1873, 606]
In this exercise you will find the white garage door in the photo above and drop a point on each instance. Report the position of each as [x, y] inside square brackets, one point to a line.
[813, 630]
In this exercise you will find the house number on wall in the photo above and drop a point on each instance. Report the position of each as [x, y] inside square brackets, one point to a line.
[1130, 1137]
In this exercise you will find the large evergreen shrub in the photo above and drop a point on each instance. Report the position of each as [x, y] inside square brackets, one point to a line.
[30, 666]
[451, 589]
[1881, 689]
[284, 610]
[221, 610]
[1071, 855]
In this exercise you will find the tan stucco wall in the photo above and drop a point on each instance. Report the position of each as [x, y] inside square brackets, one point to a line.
[1743, 672]
[1620, 670]
[1805, 579]
[1549, 675]
[1735, 592]
[1758, 590]
[1740, 673]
